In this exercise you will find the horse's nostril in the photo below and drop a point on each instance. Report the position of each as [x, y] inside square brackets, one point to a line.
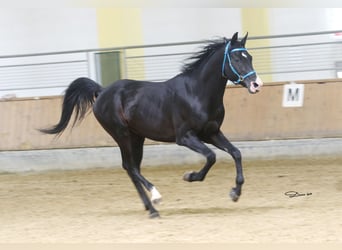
[255, 85]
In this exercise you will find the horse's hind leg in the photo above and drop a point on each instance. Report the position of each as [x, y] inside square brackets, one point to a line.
[148, 206]
[137, 144]
[131, 152]
[131, 147]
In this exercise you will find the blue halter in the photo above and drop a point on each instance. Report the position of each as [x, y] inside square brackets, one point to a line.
[227, 56]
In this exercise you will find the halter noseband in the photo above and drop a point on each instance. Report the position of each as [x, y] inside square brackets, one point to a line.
[227, 56]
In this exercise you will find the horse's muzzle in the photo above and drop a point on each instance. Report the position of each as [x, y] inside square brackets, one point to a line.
[255, 86]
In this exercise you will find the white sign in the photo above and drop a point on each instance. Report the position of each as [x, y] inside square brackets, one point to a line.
[293, 95]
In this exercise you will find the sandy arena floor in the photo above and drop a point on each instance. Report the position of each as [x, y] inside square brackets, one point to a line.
[101, 205]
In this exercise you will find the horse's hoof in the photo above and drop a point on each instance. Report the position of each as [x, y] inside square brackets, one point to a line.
[188, 176]
[154, 215]
[233, 195]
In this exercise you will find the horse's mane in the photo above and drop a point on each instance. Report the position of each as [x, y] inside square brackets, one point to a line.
[196, 60]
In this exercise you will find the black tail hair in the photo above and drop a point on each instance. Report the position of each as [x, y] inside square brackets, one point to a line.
[80, 95]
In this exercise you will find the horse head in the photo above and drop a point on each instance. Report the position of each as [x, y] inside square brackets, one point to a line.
[237, 65]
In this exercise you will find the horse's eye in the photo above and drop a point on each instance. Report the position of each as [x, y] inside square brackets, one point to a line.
[244, 55]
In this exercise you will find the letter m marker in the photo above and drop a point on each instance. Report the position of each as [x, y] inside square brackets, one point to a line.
[293, 95]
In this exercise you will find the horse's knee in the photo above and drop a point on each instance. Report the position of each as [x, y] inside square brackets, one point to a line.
[211, 158]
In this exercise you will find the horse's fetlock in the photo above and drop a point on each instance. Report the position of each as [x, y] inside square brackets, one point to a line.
[240, 180]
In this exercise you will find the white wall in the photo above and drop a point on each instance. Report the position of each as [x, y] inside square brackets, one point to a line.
[188, 24]
[167, 25]
[297, 20]
[43, 30]
[34, 30]
[304, 20]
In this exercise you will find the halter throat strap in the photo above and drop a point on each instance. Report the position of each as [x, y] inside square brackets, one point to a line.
[227, 53]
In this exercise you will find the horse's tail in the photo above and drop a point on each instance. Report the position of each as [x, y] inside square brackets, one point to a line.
[80, 95]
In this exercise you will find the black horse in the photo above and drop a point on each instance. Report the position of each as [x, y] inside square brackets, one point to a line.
[187, 109]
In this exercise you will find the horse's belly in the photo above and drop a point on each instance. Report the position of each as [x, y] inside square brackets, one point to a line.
[158, 135]
[162, 138]
[154, 131]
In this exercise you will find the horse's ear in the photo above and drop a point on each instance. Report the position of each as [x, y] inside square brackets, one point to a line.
[243, 41]
[234, 38]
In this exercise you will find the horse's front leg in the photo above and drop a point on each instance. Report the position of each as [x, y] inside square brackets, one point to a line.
[191, 141]
[221, 142]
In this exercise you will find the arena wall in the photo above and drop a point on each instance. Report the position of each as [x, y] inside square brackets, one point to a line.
[248, 117]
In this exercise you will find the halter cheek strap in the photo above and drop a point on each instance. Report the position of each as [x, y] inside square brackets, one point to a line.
[227, 56]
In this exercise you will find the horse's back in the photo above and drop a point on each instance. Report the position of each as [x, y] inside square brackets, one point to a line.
[144, 108]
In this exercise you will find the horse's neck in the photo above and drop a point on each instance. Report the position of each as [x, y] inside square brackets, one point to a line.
[210, 82]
